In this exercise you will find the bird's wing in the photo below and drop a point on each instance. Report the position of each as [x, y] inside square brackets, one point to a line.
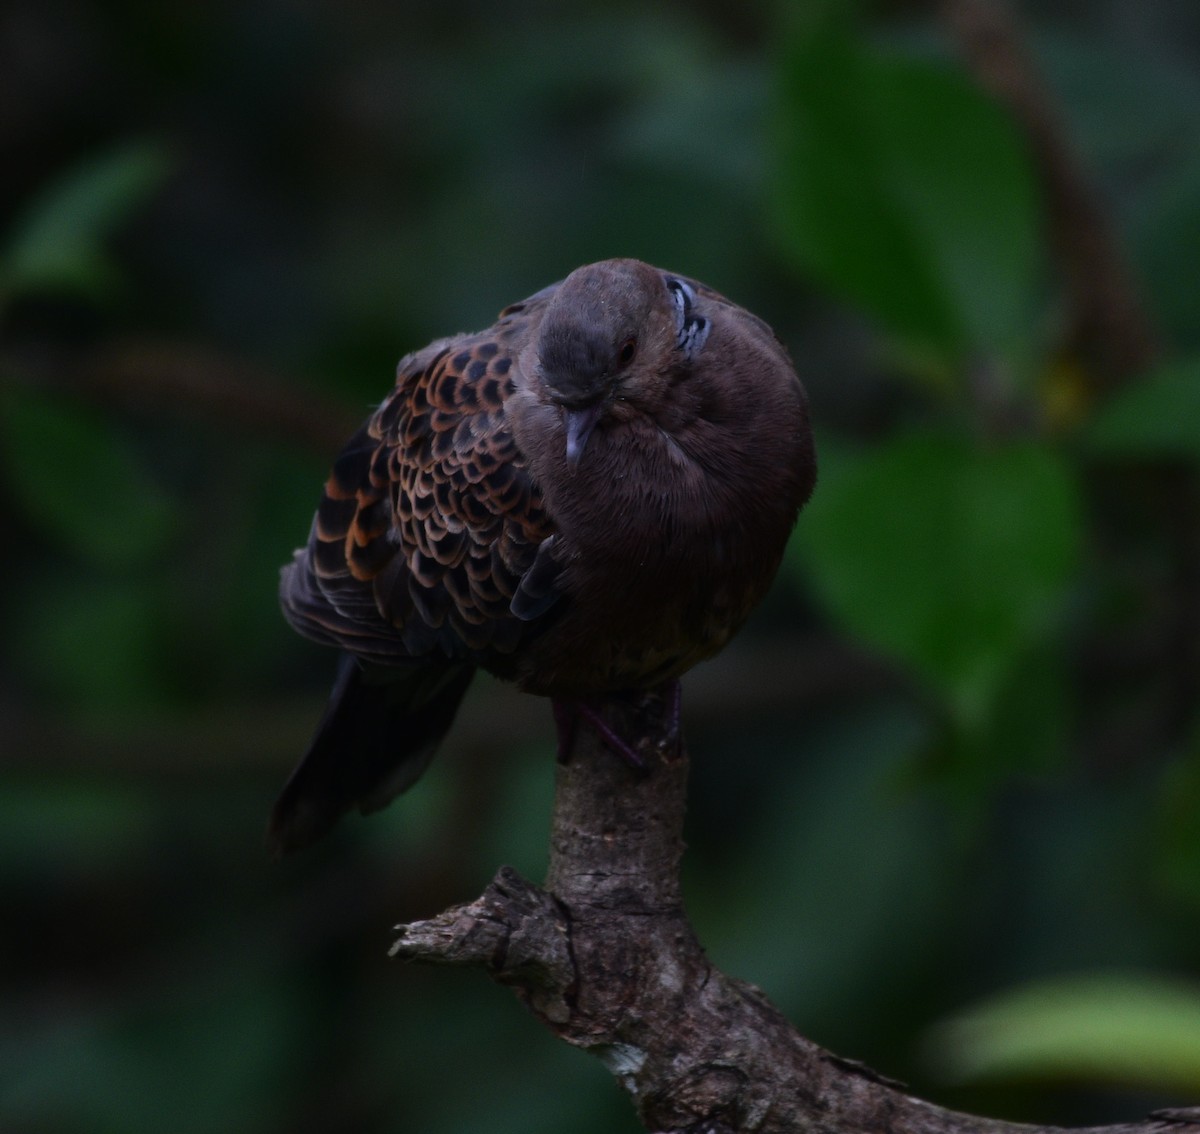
[430, 519]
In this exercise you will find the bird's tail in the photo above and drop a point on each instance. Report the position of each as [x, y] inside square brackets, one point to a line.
[378, 734]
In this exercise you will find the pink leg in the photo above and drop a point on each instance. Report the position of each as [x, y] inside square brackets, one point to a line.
[614, 742]
[568, 713]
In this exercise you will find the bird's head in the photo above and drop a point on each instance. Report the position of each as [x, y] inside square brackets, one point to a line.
[612, 336]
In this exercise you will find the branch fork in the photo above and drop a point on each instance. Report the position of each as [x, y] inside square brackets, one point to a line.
[604, 956]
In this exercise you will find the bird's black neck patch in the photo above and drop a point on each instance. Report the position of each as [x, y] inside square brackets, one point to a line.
[691, 329]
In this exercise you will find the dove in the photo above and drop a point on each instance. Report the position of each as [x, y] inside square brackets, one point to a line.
[585, 499]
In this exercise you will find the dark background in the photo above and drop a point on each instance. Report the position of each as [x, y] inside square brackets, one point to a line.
[946, 790]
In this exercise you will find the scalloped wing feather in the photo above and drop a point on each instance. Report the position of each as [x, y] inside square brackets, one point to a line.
[429, 519]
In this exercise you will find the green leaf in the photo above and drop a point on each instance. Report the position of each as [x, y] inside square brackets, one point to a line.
[1167, 243]
[1177, 843]
[953, 558]
[1136, 1029]
[1156, 417]
[58, 244]
[905, 190]
[77, 480]
[1027, 730]
[90, 642]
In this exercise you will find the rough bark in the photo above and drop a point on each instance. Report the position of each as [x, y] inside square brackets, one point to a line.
[603, 954]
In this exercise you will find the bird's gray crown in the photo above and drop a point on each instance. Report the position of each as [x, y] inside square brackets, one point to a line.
[577, 360]
[594, 314]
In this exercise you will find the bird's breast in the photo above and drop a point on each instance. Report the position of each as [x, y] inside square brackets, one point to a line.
[652, 583]
[667, 539]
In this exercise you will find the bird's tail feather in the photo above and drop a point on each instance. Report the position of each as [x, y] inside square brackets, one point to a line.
[378, 734]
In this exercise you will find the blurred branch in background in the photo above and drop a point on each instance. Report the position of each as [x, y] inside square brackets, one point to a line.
[192, 382]
[1110, 332]
[1108, 326]
[784, 679]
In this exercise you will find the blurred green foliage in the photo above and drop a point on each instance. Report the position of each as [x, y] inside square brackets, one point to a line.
[977, 790]
[992, 531]
[1159, 417]
[80, 482]
[1134, 1029]
[906, 190]
[58, 243]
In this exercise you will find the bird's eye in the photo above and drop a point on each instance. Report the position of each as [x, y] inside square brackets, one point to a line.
[626, 353]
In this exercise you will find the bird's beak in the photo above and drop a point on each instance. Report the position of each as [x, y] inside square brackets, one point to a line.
[579, 423]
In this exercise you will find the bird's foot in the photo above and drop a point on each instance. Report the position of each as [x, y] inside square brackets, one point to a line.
[661, 708]
[614, 740]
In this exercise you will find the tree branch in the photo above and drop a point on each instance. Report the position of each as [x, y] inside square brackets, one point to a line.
[1108, 327]
[1109, 331]
[193, 381]
[605, 957]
